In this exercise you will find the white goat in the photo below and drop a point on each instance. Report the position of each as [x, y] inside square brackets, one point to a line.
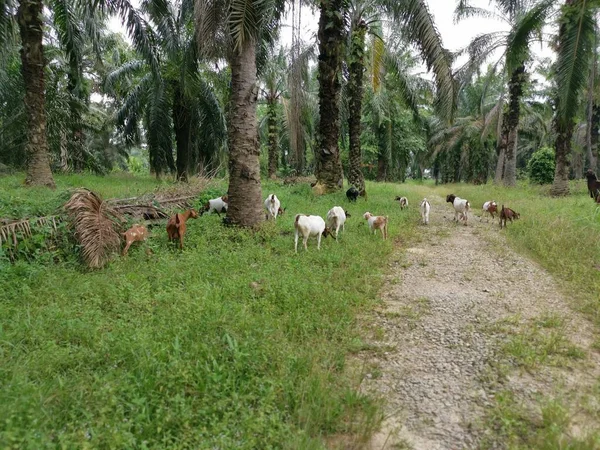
[273, 206]
[217, 205]
[461, 207]
[425, 208]
[336, 218]
[309, 226]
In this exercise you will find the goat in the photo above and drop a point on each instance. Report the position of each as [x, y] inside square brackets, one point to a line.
[176, 225]
[593, 184]
[489, 207]
[403, 202]
[425, 208]
[309, 226]
[377, 223]
[218, 205]
[461, 207]
[352, 194]
[336, 218]
[135, 233]
[273, 207]
[507, 213]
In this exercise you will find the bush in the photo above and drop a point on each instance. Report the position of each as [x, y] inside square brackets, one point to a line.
[541, 166]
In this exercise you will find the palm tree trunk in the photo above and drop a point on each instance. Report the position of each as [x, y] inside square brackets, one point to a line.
[273, 136]
[515, 88]
[355, 90]
[29, 17]
[595, 135]
[245, 203]
[501, 149]
[75, 143]
[331, 26]
[182, 123]
[562, 146]
[592, 128]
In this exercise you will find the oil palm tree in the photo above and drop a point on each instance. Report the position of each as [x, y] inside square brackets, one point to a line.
[575, 51]
[28, 16]
[236, 29]
[274, 82]
[526, 19]
[332, 25]
[173, 97]
[418, 27]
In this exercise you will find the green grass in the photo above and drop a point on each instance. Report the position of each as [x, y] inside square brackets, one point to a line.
[516, 427]
[233, 343]
[17, 200]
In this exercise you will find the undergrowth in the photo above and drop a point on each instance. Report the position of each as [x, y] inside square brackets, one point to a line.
[234, 342]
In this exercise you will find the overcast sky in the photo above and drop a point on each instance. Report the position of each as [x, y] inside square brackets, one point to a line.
[454, 36]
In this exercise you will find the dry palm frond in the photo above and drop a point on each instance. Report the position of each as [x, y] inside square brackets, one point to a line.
[11, 229]
[95, 224]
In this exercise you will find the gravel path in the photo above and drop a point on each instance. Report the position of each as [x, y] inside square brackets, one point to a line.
[435, 364]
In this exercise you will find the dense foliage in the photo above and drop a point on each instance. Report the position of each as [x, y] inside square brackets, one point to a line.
[541, 166]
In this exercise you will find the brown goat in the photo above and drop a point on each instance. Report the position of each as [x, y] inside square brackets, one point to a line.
[135, 233]
[176, 225]
[507, 213]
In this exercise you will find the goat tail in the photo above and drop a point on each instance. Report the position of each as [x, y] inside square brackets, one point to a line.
[296, 220]
[177, 220]
[468, 206]
[272, 198]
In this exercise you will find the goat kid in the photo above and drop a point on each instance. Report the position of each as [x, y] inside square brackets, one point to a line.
[403, 202]
[273, 207]
[176, 226]
[218, 205]
[336, 218]
[461, 207]
[377, 223]
[425, 208]
[136, 233]
[507, 213]
[489, 207]
[309, 226]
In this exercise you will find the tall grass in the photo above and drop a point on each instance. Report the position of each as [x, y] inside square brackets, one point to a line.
[233, 343]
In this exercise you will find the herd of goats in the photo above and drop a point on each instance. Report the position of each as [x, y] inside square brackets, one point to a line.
[315, 226]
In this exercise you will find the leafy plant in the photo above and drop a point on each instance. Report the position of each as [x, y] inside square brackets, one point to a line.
[541, 166]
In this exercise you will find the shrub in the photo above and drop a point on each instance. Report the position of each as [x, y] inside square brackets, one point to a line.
[541, 166]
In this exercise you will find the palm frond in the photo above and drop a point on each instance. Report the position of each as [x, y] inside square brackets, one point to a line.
[575, 40]
[528, 26]
[421, 30]
[95, 224]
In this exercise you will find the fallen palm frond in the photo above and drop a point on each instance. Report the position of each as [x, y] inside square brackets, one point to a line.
[11, 229]
[146, 212]
[95, 223]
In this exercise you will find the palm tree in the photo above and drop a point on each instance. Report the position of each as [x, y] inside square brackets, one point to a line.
[525, 23]
[234, 29]
[28, 15]
[172, 97]
[274, 82]
[575, 49]
[331, 36]
[30, 21]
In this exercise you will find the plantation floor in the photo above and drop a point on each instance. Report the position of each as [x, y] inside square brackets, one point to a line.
[476, 347]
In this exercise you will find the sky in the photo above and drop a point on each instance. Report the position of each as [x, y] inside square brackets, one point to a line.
[454, 36]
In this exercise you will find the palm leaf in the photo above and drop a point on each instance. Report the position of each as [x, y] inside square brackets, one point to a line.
[421, 30]
[524, 30]
[95, 224]
[576, 37]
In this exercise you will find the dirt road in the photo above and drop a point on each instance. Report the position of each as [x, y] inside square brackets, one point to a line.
[464, 320]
